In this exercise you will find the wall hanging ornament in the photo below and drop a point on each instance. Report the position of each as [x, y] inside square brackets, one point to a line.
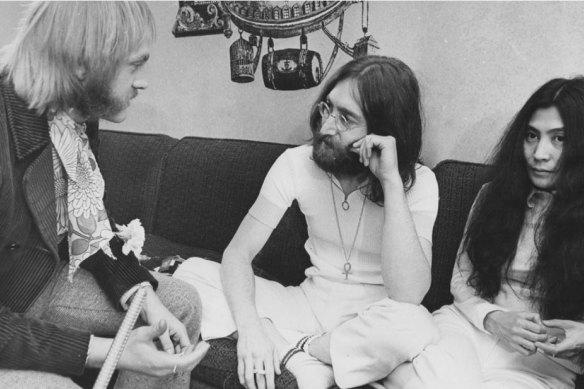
[201, 18]
[285, 69]
[366, 45]
[291, 69]
[243, 61]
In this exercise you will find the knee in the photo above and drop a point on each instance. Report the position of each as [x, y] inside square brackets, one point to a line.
[189, 300]
[184, 302]
[408, 327]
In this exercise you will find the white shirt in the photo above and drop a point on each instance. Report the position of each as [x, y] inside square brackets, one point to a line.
[295, 176]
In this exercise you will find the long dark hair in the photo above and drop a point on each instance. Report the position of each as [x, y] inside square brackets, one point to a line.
[390, 101]
[557, 278]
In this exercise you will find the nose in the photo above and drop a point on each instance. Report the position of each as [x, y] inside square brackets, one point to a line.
[542, 150]
[329, 126]
[140, 84]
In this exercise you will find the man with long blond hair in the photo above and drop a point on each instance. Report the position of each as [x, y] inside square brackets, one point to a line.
[66, 276]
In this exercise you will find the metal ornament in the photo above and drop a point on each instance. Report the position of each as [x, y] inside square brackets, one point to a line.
[243, 63]
[366, 45]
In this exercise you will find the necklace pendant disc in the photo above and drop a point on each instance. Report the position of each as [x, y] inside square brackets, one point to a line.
[345, 205]
[347, 270]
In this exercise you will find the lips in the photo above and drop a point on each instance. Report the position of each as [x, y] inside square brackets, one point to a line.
[541, 171]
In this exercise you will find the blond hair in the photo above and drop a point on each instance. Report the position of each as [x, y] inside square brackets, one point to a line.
[63, 46]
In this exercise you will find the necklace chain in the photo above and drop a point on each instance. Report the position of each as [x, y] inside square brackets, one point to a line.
[347, 266]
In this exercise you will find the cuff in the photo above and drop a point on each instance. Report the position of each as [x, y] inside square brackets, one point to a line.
[481, 312]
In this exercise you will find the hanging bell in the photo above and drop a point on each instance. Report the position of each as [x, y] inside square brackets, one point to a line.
[241, 56]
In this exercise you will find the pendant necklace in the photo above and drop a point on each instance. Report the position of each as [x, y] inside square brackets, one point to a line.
[347, 266]
[345, 204]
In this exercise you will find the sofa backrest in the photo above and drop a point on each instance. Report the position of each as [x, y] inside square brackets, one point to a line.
[458, 185]
[131, 164]
[207, 187]
[197, 190]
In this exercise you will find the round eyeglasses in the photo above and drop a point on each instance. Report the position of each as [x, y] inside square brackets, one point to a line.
[341, 121]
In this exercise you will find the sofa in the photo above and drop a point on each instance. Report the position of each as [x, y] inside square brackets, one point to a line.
[191, 194]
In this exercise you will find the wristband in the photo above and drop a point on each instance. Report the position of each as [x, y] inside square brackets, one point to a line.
[125, 300]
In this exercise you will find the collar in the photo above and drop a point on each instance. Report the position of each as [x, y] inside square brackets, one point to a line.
[29, 131]
[539, 197]
[62, 119]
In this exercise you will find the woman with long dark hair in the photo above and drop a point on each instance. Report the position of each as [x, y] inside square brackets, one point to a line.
[518, 282]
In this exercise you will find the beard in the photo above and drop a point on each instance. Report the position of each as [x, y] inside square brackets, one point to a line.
[102, 103]
[335, 158]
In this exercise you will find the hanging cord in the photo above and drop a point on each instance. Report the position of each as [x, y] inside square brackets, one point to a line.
[336, 48]
[364, 17]
[119, 343]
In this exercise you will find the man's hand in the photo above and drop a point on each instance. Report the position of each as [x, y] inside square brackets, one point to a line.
[175, 338]
[257, 359]
[520, 330]
[379, 154]
[142, 356]
[568, 346]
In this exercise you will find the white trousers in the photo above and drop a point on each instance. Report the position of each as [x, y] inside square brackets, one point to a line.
[370, 334]
[466, 357]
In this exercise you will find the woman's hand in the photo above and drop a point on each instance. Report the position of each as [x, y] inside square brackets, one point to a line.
[379, 154]
[175, 338]
[568, 346]
[257, 359]
[520, 330]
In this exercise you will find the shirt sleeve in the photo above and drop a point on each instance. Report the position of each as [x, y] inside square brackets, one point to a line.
[423, 202]
[472, 306]
[277, 192]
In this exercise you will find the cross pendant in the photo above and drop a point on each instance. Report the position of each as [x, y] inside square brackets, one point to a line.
[346, 270]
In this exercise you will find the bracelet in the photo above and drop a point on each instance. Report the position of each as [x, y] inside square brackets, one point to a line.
[309, 341]
[293, 351]
[305, 341]
[302, 341]
[129, 295]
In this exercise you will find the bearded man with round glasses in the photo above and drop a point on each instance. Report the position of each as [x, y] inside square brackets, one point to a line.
[370, 208]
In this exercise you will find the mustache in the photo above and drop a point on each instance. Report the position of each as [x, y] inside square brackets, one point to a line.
[328, 140]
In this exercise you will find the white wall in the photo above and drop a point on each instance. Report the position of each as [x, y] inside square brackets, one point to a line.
[477, 63]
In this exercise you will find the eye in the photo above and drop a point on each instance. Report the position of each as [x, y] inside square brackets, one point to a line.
[344, 121]
[531, 136]
[558, 138]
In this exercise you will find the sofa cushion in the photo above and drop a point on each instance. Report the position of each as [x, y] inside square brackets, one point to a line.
[458, 185]
[131, 165]
[207, 187]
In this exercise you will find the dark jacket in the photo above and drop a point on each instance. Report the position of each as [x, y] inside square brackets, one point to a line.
[28, 246]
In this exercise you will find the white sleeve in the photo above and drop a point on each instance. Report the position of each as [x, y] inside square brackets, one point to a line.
[422, 201]
[472, 306]
[277, 193]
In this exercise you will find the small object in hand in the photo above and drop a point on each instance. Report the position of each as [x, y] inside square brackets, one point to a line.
[259, 371]
[174, 370]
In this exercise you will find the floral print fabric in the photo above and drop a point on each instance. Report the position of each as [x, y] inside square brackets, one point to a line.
[80, 193]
